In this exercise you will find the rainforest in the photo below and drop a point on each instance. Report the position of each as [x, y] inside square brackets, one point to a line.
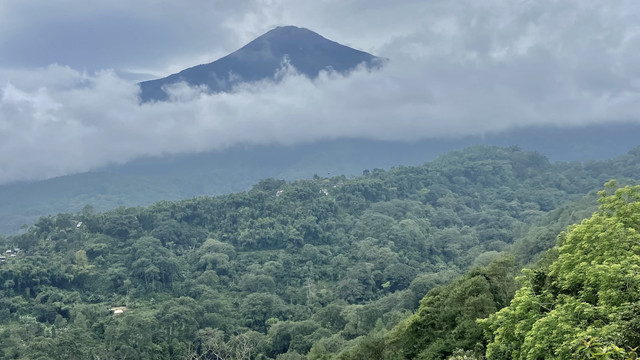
[485, 252]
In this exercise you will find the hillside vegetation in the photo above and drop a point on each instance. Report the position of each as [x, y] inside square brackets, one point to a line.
[175, 177]
[321, 268]
[580, 301]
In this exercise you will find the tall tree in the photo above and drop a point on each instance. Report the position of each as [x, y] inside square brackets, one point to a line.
[591, 291]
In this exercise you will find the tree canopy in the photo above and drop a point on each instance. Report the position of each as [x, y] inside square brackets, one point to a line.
[396, 264]
[591, 291]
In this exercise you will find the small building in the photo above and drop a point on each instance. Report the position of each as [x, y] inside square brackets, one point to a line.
[118, 310]
[3, 258]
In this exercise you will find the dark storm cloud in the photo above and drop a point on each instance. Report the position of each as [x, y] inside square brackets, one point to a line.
[460, 68]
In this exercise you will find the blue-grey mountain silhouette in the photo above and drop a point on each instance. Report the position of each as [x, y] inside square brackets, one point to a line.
[308, 52]
[178, 176]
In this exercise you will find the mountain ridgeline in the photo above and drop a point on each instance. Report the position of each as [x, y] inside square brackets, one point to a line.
[179, 176]
[304, 49]
[176, 177]
[334, 268]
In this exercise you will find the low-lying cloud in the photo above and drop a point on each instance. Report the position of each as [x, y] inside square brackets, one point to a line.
[467, 71]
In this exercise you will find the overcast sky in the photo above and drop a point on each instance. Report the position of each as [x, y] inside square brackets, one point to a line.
[68, 100]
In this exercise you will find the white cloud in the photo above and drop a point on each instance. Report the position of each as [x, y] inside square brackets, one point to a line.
[466, 69]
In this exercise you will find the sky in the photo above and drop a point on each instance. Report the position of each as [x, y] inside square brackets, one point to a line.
[68, 72]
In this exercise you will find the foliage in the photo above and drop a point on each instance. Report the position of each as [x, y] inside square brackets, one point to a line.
[444, 325]
[592, 290]
[322, 268]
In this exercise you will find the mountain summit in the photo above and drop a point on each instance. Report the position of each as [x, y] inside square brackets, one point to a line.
[306, 50]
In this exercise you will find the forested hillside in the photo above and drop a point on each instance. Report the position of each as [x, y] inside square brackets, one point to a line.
[580, 301]
[321, 268]
[175, 177]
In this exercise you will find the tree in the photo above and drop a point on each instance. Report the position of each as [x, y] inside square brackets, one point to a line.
[152, 262]
[399, 276]
[591, 290]
[446, 318]
[259, 307]
[211, 344]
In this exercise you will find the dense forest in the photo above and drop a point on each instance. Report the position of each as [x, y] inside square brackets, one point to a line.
[415, 262]
[175, 177]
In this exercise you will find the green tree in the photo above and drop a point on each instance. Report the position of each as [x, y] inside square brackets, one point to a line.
[590, 290]
[257, 308]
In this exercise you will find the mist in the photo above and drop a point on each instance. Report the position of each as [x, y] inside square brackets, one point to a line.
[466, 70]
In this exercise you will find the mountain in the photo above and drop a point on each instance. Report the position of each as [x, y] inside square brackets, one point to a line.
[176, 177]
[260, 59]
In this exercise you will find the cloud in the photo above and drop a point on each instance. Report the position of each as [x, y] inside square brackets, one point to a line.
[146, 36]
[467, 69]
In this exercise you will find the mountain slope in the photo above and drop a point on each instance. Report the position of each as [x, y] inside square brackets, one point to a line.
[176, 177]
[307, 51]
[284, 265]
